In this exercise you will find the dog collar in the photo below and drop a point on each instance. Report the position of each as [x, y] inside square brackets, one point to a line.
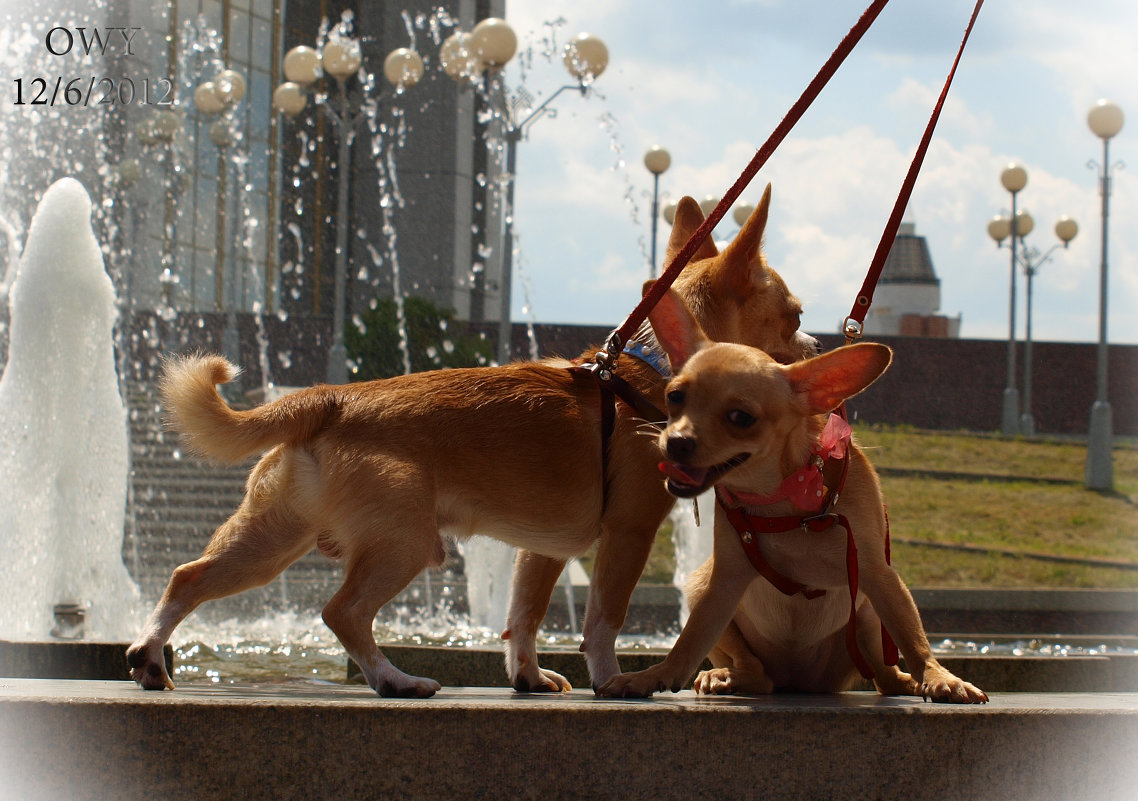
[654, 358]
[805, 487]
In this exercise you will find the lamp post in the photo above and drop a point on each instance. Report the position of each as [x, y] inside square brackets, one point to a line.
[215, 99]
[1105, 120]
[339, 57]
[657, 160]
[1030, 260]
[487, 49]
[1013, 178]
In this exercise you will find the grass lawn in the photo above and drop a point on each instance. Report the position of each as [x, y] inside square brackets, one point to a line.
[994, 499]
[999, 507]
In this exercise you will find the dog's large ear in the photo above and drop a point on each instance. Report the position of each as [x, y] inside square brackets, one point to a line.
[676, 329]
[742, 265]
[688, 218]
[823, 382]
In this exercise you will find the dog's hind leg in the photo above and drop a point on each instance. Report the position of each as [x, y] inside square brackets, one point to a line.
[736, 667]
[246, 551]
[377, 570]
[535, 578]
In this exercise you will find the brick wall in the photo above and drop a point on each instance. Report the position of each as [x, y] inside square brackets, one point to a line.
[933, 383]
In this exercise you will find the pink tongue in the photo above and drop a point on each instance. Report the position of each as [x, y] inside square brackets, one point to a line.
[685, 475]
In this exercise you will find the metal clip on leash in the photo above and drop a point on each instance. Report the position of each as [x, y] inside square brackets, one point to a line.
[605, 360]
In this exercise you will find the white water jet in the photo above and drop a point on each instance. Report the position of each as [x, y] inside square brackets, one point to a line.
[489, 567]
[692, 543]
[63, 437]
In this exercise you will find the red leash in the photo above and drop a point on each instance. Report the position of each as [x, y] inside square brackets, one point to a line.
[621, 335]
[852, 327]
[853, 324]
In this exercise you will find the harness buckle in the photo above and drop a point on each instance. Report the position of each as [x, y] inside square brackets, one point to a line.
[814, 522]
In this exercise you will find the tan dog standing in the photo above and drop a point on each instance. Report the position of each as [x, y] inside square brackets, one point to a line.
[758, 431]
[376, 473]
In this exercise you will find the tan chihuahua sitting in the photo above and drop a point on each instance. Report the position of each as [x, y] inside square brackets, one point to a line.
[798, 586]
[375, 474]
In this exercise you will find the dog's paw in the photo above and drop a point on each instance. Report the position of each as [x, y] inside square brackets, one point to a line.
[718, 681]
[638, 685]
[549, 682]
[407, 687]
[526, 676]
[150, 673]
[943, 687]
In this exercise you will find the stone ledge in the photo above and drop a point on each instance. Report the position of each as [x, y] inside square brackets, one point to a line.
[484, 667]
[108, 740]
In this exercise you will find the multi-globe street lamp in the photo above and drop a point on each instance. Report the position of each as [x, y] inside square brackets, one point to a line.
[487, 49]
[1030, 259]
[1105, 121]
[339, 57]
[740, 213]
[1014, 179]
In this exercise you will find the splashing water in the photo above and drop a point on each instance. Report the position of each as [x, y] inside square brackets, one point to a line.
[609, 124]
[390, 198]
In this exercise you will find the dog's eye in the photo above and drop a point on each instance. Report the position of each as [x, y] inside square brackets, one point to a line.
[740, 419]
[675, 397]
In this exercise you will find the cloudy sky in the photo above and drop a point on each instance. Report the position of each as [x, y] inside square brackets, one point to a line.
[710, 81]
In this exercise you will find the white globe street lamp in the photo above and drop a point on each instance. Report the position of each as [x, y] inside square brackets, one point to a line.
[229, 85]
[657, 160]
[207, 100]
[493, 42]
[1105, 120]
[458, 59]
[586, 57]
[302, 65]
[289, 98]
[341, 58]
[742, 212]
[403, 68]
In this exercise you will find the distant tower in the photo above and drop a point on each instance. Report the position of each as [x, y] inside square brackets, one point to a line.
[908, 293]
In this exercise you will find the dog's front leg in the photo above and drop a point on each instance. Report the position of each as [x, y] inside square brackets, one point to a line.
[535, 577]
[621, 556]
[710, 614]
[898, 612]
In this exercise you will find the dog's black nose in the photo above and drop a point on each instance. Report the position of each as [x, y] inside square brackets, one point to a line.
[680, 448]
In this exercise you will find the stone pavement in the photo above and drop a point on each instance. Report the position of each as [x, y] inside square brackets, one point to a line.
[100, 740]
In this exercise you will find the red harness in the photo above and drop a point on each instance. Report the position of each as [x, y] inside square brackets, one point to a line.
[749, 526]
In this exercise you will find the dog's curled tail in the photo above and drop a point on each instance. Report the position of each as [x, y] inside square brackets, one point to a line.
[212, 429]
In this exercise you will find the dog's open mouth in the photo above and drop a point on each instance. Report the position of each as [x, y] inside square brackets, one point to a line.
[686, 481]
